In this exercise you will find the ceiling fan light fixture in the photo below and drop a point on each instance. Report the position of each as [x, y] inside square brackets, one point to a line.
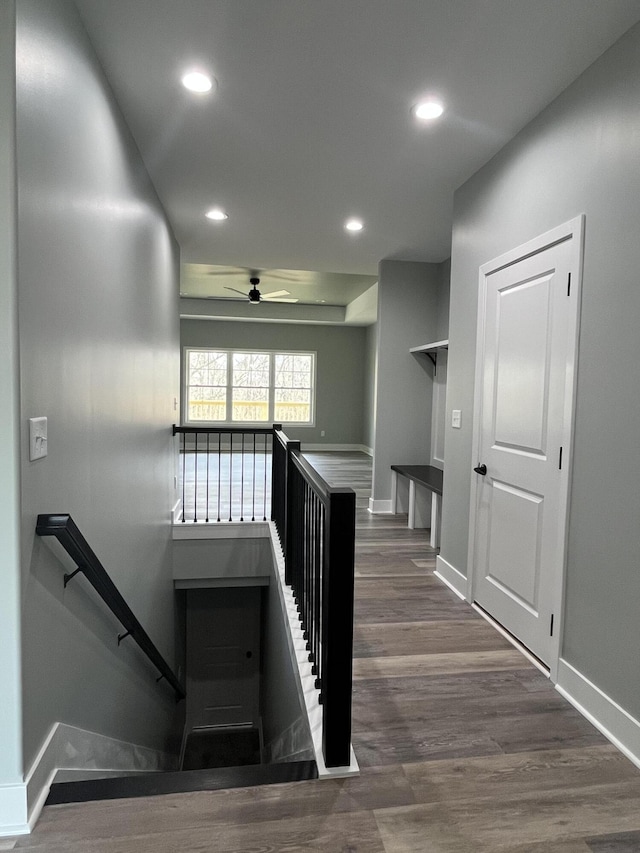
[354, 225]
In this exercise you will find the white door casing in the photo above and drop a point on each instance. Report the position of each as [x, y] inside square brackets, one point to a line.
[523, 421]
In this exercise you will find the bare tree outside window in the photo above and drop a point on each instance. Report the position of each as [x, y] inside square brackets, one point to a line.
[207, 386]
[250, 387]
[293, 385]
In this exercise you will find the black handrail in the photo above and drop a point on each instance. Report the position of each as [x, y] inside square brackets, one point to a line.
[63, 527]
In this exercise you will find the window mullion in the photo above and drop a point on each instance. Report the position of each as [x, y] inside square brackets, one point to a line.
[272, 380]
[229, 386]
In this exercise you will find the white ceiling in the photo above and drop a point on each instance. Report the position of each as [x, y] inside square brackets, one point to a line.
[311, 119]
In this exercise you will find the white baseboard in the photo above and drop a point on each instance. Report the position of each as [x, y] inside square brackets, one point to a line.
[71, 748]
[616, 724]
[379, 507]
[13, 810]
[453, 578]
[220, 530]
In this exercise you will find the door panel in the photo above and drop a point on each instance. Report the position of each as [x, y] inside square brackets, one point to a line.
[522, 365]
[223, 657]
[514, 564]
[518, 522]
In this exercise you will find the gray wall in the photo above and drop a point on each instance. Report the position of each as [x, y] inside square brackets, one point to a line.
[10, 707]
[581, 155]
[370, 377]
[222, 559]
[99, 338]
[407, 317]
[339, 368]
[444, 296]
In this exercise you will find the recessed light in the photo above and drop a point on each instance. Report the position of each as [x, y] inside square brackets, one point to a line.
[197, 81]
[428, 110]
[353, 225]
[216, 214]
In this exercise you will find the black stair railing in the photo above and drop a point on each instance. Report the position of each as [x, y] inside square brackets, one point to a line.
[225, 473]
[65, 530]
[316, 525]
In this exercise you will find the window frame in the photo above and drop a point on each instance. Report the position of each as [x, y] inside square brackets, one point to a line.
[272, 353]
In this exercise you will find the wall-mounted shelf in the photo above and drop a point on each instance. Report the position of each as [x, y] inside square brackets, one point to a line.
[431, 350]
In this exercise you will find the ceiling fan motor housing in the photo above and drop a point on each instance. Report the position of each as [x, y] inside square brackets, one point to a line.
[254, 293]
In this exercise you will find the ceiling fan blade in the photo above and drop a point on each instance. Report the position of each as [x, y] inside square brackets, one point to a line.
[274, 294]
[235, 290]
[226, 272]
[287, 275]
[280, 299]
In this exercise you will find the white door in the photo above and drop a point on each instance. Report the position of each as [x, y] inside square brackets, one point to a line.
[523, 430]
[223, 657]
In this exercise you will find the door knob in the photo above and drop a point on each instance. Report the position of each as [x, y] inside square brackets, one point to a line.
[481, 469]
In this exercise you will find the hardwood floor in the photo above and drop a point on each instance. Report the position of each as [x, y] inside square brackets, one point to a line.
[464, 746]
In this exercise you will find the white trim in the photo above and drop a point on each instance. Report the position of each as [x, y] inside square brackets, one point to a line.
[616, 724]
[380, 507]
[72, 748]
[305, 679]
[220, 530]
[572, 230]
[451, 576]
[13, 810]
[349, 448]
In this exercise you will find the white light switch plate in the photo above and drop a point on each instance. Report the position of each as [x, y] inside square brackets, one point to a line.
[456, 418]
[37, 438]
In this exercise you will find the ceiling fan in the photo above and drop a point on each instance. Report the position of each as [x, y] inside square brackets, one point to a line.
[255, 296]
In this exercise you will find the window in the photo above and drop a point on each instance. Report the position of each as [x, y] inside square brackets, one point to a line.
[243, 387]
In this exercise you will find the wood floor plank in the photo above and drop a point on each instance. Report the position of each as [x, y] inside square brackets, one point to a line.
[498, 776]
[218, 810]
[398, 638]
[483, 824]
[436, 664]
[350, 831]
[617, 842]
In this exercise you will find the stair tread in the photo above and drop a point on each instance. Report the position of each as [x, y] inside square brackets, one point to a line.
[153, 784]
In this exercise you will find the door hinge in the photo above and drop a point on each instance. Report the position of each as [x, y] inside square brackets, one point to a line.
[551, 627]
[569, 285]
[560, 460]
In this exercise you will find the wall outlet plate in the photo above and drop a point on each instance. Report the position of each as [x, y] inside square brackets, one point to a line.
[37, 438]
[456, 418]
